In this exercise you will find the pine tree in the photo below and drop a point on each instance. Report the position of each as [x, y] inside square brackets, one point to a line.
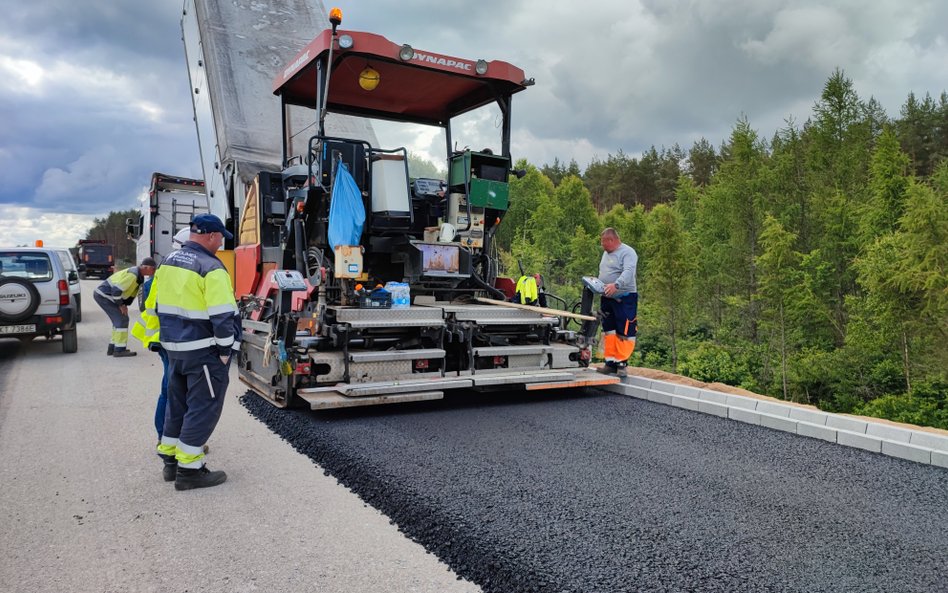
[780, 280]
[888, 180]
[671, 263]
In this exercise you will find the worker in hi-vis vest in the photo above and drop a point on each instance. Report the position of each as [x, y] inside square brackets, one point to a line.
[114, 295]
[200, 333]
[619, 302]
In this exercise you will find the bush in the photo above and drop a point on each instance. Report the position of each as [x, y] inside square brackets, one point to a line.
[710, 362]
[907, 408]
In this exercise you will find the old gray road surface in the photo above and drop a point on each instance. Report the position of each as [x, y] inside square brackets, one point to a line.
[605, 493]
[83, 507]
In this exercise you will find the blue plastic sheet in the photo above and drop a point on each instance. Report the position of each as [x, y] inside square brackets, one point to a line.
[346, 211]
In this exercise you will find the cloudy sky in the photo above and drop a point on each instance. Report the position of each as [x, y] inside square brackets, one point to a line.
[95, 95]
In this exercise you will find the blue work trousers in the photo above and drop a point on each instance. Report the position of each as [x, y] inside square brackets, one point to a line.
[196, 389]
[162, 405]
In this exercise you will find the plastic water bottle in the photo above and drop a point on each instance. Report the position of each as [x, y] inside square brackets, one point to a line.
[401, 294]
[404, 296]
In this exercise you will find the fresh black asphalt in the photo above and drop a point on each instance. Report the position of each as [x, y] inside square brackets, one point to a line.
[598, 492]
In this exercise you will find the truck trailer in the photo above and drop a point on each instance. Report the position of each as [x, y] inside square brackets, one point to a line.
[169, 207]
[320, 235]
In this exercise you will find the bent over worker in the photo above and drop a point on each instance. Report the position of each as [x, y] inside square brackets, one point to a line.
[619, 302]
[114, 296]
[199, 331]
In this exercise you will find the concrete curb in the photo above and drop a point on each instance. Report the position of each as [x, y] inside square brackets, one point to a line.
[895, 441]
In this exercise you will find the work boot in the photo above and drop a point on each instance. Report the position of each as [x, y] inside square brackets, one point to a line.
[170, 470]
[111, 350]
[607, 368]
[621, 370]
[186, 478]
[124, 353]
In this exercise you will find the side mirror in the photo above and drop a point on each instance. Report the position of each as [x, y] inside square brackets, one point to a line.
[131, 229]
[520, 173]
[82, 267]
[72, 276]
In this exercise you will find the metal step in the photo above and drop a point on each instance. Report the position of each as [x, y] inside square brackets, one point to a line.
[511, 321]
[389, 387]
[379, 318]
[487, 380]
[513, 350]
[333, 399]
[390, 355]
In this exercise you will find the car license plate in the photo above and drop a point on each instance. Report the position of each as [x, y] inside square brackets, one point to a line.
[17, 329]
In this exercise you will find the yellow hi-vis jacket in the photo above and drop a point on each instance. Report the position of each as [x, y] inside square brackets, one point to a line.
[527, 290]
[147, 330]
[194, 301]
[121, 286]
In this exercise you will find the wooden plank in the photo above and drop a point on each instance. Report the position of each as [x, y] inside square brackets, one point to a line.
[587, 382]
[540, 310]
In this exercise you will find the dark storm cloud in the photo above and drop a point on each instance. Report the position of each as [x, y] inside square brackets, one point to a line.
[626, 75]
[97, 98]
[95, 95]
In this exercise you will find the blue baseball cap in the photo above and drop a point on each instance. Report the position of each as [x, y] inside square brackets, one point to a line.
[208, 223]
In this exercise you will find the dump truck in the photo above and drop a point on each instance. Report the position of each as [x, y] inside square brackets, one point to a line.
[319, 237]
[231, 51]
[96, 258]
[171, 203]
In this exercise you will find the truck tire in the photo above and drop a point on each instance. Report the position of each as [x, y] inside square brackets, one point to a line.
[70, 341]
[19, 299]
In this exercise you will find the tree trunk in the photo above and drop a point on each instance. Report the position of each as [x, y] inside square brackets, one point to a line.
[905, 361]
[783, 351]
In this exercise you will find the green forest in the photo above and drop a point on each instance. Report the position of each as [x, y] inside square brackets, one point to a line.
[811, 265]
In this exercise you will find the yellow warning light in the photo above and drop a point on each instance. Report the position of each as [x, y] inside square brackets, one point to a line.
[39, 242]
[369, 78]
[335, 16]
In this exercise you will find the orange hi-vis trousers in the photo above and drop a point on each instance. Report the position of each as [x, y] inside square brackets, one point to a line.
[617, 348]
[619, 326]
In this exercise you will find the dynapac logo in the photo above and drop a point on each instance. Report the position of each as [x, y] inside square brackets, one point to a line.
[428, 59]
[295, 65]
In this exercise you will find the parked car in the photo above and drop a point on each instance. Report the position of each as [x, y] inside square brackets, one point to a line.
[72, 273]
[34, 296]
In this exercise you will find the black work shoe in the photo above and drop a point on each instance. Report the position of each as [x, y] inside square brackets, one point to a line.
[620, 371]
[186, 478]
[124, 353]
[170, 470]
[607, 369]
[111, 350]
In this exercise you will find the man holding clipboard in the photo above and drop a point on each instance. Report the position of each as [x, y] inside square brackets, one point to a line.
[619, 301]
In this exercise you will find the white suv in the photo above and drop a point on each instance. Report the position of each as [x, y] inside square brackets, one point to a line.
[34, 296]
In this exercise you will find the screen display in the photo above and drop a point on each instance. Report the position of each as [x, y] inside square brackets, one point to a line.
[440, 259]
